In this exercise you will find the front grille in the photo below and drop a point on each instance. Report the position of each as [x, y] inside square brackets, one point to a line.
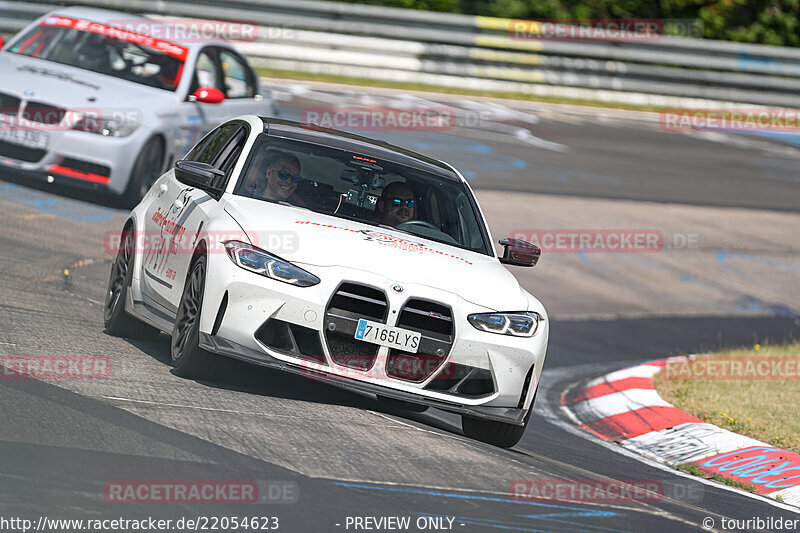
[43, 113]
[292, 339]
[435, 322]
[350, 303]
[9, 105]
[463, 380]
[21, 153]
[85, 166]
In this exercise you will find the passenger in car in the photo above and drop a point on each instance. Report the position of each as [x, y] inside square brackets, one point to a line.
[278, 181]
[397, 204]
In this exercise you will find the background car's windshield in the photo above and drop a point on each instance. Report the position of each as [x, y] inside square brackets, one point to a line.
[96, 47]
[363, 188]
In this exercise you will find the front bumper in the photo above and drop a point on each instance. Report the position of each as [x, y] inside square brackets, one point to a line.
[239, 304]
[77, 159]
[215, 344]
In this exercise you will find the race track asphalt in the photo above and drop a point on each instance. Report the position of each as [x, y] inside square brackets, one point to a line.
[62, 441]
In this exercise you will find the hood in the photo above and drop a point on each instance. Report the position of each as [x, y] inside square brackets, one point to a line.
[70, 87]
[313, 239]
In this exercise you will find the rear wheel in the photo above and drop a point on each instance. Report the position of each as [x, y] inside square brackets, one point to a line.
[145, 172]
[116, 320]
[501, 434]
[188, 358]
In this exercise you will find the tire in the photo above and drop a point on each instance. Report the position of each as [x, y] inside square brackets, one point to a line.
[188, 358]
[116, 320]
[145, 172]
[400, 405]
[500, 434]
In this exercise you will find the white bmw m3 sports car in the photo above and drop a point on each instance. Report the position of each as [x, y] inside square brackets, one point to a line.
[337, 257]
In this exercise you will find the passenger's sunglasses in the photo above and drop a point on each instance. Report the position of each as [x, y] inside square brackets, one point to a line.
[397, 202]
[284, 175]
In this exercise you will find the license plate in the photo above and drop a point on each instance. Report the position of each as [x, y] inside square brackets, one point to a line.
[378, 333]
[15, 134]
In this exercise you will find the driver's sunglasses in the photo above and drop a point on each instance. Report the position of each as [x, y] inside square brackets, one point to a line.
[284, 175]
[397, 202]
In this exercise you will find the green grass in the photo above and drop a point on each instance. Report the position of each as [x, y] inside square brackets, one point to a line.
[767, 410]
[692, 469]
[365, 82]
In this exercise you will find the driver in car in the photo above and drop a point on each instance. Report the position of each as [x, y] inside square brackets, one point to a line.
[397, 204]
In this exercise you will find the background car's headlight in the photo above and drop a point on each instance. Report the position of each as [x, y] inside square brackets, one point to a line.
[517, 324]
[108, 127]
[257, 260]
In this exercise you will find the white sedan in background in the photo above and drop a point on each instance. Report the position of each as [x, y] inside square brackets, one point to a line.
[338, 257]
[87, 105]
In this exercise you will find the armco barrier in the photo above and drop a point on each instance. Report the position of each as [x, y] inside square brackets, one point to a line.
[476, 52]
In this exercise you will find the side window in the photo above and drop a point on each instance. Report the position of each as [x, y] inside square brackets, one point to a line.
[205, 72]
[237, 79]
[209, 150]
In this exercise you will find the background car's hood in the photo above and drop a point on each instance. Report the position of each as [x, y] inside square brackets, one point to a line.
[309, 238]
[67, 86]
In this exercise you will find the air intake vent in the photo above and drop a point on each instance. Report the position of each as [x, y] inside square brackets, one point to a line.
[435, 322]
[43, 113]
[462, 380]
[292, 339]
[350, 303]
[21, 153]
[9, 105]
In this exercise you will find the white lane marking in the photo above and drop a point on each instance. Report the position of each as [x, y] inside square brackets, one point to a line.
[550, 376]
[198, 408]
[617, 403]
[212, 409]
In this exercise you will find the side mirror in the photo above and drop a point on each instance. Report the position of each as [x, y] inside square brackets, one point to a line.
[200, 175]
[207, 95]
[520, 253]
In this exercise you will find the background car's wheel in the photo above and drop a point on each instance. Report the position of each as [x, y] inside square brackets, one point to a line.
[145, 172]
[499, 434]
[400, 405]
[187, 356]
[116, 320]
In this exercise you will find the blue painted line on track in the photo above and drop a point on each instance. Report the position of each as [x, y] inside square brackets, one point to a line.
[75, 210]
[554, 513]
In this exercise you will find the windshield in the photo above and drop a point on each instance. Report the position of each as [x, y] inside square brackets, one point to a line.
[104, 49]
[358, 187]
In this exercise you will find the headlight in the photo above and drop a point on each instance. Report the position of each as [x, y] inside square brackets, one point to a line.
[108, 127]
[256, 260]
[517, 324]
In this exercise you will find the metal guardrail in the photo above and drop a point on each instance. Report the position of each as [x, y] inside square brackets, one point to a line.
[474, 52]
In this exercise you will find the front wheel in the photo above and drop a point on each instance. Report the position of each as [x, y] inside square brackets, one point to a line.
[500, 434]
[115, 319]
[188, 358]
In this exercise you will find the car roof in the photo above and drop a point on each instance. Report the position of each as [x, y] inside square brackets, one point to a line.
[105, 16]
[357, 143]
